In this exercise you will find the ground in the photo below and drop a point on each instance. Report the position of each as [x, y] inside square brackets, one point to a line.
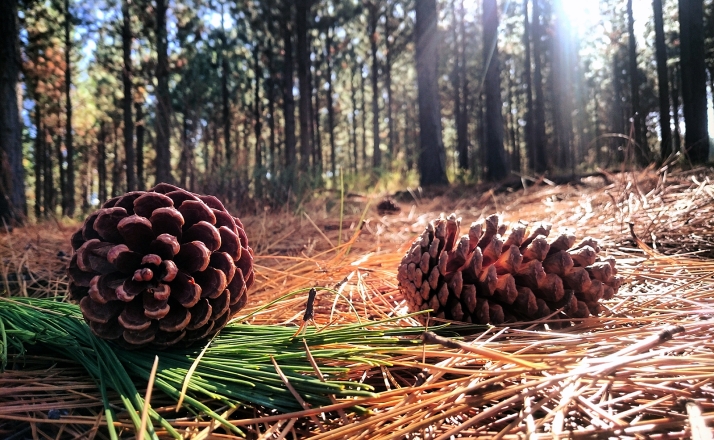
[644, 368]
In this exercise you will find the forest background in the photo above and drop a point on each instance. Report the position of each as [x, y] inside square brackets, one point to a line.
[265, 102]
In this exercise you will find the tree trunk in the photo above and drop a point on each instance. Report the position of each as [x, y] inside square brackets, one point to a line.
[513, 127]
[315, 118]
[163, 110]
[330, 105]
[61, 167]
[129, 152]
[641, 146]
[662, 82]
[460, 88]
[495, 154]
[694, 79]
[564, 60]
[391, 147]
[373, 21]
[353, 136]
[432, 156]
[540, 164]
[225, 108]
[270, 95]
[102, 164]
[50, 197]
[116, 169]
[363, 115]
[68, 191]
[303, 62]
[530, 129]
[287, 84]
[39, 158]
[675, 108]
[13, 204]
[259, 172]
[141, 185]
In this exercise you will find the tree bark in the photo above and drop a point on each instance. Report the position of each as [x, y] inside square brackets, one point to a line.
[540, 164]
[141, 185]
[225, 108]
[391, 147]
[287, 84]
[530, 129]
[460, 86]
[13, 203]
[163, 110]
[102, 163]
[68, 191]
[39, 159]
[662, 82]
[363, 114]
[270, 96]
[126, 73]
[694, 77]
[258, 124]
[353, 134]
[564, 60]
[303, 62]
[432, 156]
[641, 146]
[373, 21]
[330, 105]
[675, 108]
[496, 160]
[50, 197]
[116, 169]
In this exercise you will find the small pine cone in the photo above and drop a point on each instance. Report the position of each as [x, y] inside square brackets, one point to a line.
[490, 275]
[160, 267]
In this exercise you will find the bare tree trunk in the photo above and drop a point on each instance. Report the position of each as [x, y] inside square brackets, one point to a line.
[39, 159]
[353, 136]
[530, 129]
[513, 127]
[662, 81]
[62, 169]
[270, 95]
[303, 58]
[141, 184]
[13, 204]
[163, 110]
[460, 87]
[315, 119]
[432, 156]
[102, 164]
[330, 105]
[391, 147]
[675, 108]
[363, 114]
[540, 143]
[287, 84]
[640, 136]
[128, 98]
[225, 108]
[116, 169]
[68, 190]
[258, 125]
[694, 79]
[373, 21]
[50, 197]
[495, 154]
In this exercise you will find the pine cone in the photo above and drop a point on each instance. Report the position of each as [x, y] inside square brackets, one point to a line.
[160, 267]
[488, 277]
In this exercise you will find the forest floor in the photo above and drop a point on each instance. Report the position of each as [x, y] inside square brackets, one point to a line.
[624, 373]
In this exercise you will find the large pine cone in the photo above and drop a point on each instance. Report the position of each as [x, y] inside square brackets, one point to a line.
[160, 267]
[488, 277]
